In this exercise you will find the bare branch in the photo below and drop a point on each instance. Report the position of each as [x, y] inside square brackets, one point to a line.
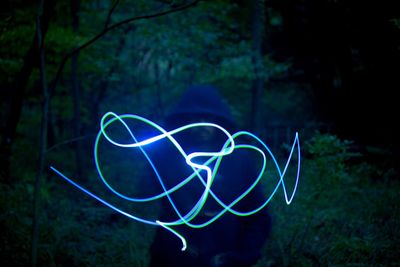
[69, 141]
[112, 27]
[108, 19]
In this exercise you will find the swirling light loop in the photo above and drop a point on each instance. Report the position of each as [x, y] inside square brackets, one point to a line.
[228, 148]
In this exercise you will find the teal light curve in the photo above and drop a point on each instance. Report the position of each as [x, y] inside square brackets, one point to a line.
[228, 148]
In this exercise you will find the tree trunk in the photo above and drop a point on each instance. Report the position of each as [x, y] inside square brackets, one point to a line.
[42, 141]
[258, 81]
[76, 92]
[14, 114]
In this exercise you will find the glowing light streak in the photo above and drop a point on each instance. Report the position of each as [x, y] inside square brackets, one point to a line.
[228, 148]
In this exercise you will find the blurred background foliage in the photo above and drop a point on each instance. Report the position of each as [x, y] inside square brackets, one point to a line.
[327, 69]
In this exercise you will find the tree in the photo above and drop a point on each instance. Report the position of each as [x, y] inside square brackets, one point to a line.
[43, 135]
[31, 60]
[257, 54]
[75, 90]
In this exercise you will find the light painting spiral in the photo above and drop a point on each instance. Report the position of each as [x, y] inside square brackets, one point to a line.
[198, 170]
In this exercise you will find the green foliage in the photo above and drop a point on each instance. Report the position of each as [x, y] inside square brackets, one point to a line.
[345, 212]
[16, 34]
[74, 231]
[339, 217]
[396, 22]
[15, 222]
[59, 41]
[329, 158]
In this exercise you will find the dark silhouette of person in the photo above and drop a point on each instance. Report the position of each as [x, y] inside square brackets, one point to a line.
[231, 240]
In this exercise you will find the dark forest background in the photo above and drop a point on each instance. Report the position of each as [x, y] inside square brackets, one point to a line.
[328, 69]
